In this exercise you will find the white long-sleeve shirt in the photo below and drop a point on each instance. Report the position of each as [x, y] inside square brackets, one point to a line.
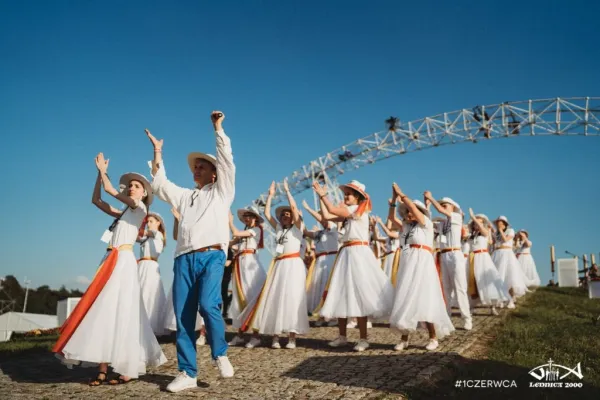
[204, 212]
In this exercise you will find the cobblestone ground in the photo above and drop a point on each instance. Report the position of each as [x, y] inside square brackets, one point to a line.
[311, 371]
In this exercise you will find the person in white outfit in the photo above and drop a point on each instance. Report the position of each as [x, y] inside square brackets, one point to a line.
[526, 259]
[281, 305]
[152, 244]
[452, 259]
[419, 296]
[248, 273]
[109, 325]
[357, 287]
[506, 261]
[391, 258]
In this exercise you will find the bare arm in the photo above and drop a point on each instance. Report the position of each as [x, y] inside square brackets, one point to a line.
[327, 215]
[101, 204]
[409, 203]
[157, 144]
[437, 205]
[102, 166]
[235, 231]
[268, 215]
[318, 216]
[295, 214]
[342, 212]
[480, 227]
[387, 230]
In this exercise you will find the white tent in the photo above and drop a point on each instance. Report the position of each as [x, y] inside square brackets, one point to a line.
[23, 322]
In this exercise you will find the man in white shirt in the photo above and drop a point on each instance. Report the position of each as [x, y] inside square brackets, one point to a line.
[201, 250]
[454, 277]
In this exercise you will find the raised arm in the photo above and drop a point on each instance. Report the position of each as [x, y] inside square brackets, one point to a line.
[101, 204]
[318, 216]
[268, 215]
[387, 230]
[102, 166]
[338, 211]
[164, 189]
[225, 166]
[480, 227]
[428, 196]
[295, 214]
[409, 203]
[392, 216]
[235, 231]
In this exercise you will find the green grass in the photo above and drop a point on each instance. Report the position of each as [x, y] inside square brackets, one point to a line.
[557, 323]
[24, 345]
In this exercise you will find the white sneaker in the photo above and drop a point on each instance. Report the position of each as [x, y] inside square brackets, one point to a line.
[182, 382]
[351, 324]
[369, 325]
[362, 345]
[494, 311]
[253, 343]
[510, 305]
[468, 324]
[237, 340]
[340, 341]
[201, 341]
[291, 344]
[225, 367]
[401, 346]
[332, 322]
[432, 345]
[275, 344]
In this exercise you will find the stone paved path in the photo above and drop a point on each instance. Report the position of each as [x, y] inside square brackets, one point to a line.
[312, 371]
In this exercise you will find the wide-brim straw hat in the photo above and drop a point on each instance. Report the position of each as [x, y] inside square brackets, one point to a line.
[281, 209]
[134, 176]
[357, 186]
[418, 203]
[482, 216]
[503, 219]
[194, 155]
[242, 211]
[448, 200]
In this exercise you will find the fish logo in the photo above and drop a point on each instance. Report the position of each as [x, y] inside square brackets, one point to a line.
[551, 371]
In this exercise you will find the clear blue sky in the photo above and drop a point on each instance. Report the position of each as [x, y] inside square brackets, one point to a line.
[296, 80]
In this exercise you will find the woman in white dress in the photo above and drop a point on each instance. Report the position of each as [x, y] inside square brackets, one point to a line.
[248, 273]
[326, 248]
[281, 305]
[109, 325]
[391, 258]
[506, 261]
[153, 293]
[526, 259]
[357, 287]
[419, 295]
[484, 284]
[168, 320]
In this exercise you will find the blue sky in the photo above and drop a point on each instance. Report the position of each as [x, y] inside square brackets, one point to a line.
[296, 80]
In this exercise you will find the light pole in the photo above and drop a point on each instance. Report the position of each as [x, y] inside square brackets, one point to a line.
[26, 282]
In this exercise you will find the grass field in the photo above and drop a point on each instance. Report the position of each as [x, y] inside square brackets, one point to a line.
[21, 345]
[556, 323]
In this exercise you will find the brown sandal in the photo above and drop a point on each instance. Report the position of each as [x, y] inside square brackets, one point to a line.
[99, 381]
[120, 381]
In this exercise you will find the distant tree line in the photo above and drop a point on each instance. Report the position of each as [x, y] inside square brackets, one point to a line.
[39, 301]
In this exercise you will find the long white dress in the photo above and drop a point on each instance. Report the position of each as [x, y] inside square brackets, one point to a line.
[490, 287]
[326, 247]
[388, 262]
[153, 292]
[248, 276]
[115, 329]
[358, 287]
[508, 266]
[281, 306]
[419, 295]
[528, 266]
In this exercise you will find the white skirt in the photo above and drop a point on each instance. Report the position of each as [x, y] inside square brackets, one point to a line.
[153, 294]
[529, 269]
[490, 287]
[510, 271]
[116, 329]
[358, 286]
[169, 321]
[318, 281]
[388, 265]
[252, 277]
[282, 306]
[419, 295]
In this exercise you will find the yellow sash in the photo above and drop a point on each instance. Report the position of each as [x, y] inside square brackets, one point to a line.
[472, 287]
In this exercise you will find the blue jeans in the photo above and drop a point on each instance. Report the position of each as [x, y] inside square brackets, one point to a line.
[197, 285]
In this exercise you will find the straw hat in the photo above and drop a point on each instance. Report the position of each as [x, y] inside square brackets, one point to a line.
[482, 216]
[448, 200]
[503, 219]
[281, 209]
[158, 217]
[418, 203]
[134, 176]
[242, 211]
[193, 156]
[356, 185]
[525, 232]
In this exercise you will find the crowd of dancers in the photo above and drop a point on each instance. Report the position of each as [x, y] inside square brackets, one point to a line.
[345, 272]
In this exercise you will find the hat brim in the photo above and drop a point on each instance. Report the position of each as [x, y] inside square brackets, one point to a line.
[404, 210]
[503, 220]
[134, 176]
[242, 211]
[195, 155]
[452, 203]
[355, 188]
[281, 209]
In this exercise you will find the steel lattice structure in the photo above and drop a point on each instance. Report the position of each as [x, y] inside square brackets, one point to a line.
[558, 116]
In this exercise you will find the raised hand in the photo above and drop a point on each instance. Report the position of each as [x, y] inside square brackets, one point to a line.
[101, 163]
[217, 118]
[155, 142]
[471, 213]
[285, 185]
[305, 204]
[272, 189]
[427, 195]
[391, 202]
[320, 190]
[380, 220]
[396, 190]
